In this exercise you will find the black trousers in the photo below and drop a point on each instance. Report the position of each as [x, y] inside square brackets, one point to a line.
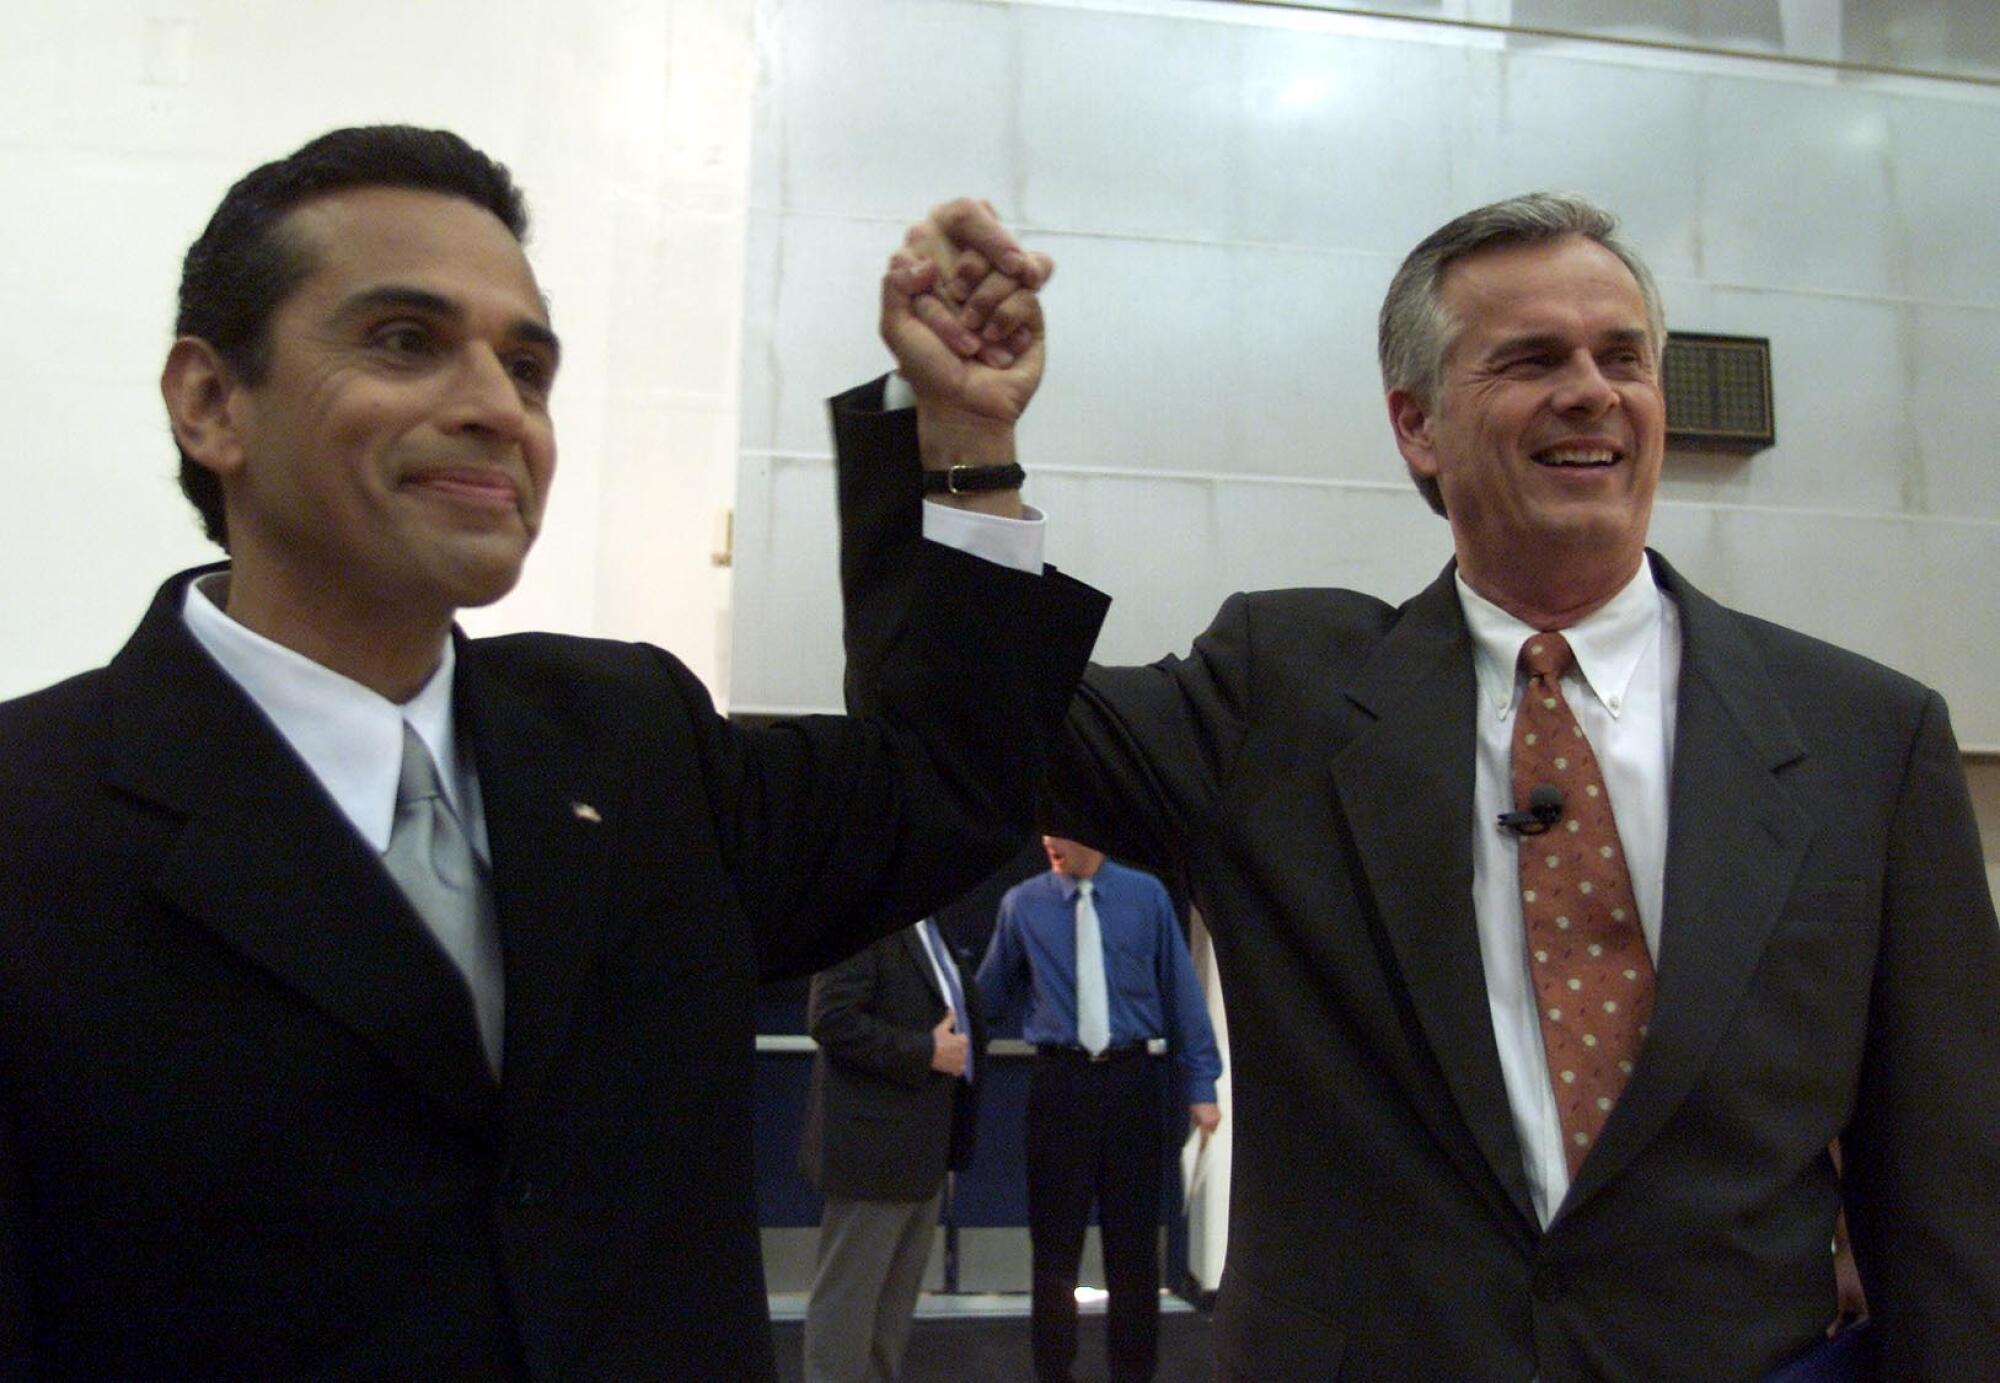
[1096, 1132]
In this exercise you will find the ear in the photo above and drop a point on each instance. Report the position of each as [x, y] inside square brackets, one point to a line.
[1410, 416]
[205, 403]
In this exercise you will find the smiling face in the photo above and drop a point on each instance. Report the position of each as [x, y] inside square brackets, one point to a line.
[1547, 433]
[392, 464]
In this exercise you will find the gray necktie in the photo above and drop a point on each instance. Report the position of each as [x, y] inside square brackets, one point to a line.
[431, 860]
[1093, 1008]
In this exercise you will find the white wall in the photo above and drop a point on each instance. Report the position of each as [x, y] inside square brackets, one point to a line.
[121, 124]
[1226, 190]
[1226, 187]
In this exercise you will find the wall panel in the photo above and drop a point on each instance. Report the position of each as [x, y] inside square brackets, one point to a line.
[1227, 188]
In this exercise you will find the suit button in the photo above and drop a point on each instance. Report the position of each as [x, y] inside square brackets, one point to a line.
[524, 1193]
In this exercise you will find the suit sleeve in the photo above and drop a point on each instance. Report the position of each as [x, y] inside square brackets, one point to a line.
[838, 830]
[841, 1016]
[1922, 1176]
[16, 1336]
[1145, 751]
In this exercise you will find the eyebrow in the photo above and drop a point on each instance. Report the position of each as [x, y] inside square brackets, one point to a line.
[1539, 340]
[437, 305]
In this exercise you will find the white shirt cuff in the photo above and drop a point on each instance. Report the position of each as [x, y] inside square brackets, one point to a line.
[1015, 543]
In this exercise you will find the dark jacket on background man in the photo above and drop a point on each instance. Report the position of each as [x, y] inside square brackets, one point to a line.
[881, 1124]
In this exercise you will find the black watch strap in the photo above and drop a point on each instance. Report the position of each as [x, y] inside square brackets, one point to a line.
[965, 480]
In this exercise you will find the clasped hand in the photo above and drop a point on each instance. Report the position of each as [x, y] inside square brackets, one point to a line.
[962, 314]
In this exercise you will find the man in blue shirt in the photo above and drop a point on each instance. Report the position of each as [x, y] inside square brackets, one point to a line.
[1096, 952]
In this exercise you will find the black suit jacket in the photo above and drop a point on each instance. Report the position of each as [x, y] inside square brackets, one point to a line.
[1829, 966]
[880, 1123]
[245, 1127]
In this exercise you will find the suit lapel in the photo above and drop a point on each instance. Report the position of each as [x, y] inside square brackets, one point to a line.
[1405, 786]
[266, 862]
[550, 809]
[1735, 844]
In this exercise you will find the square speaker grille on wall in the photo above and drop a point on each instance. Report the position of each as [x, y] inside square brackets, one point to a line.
[1718, 392]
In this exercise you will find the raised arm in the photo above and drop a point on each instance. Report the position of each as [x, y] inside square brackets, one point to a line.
[962, 316]
[959, 668]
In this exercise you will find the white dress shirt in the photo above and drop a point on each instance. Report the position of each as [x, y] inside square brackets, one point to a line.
[350, 737]
[1628, 662]
[351, 740]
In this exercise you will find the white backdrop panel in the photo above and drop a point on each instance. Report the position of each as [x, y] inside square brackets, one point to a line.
[122, 122]
[1226, 191]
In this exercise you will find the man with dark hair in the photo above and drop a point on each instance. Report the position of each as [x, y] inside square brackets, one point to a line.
[376, 1002]
[1566, 917]
[246, 261]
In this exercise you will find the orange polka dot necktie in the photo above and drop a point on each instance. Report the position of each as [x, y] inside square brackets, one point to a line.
[1593, 977]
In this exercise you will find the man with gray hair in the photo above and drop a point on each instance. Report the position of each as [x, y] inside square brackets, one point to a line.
[1566, 917]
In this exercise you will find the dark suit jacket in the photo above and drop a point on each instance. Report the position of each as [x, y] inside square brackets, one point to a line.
[245, 1127]
[880, 1123]
[1829, 966]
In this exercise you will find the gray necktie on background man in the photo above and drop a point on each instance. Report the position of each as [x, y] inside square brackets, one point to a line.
[1093, 1006]
[431, 860]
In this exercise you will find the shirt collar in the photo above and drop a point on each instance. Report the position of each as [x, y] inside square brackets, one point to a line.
[1066, 884]
[1608, 642]
[350, 737]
